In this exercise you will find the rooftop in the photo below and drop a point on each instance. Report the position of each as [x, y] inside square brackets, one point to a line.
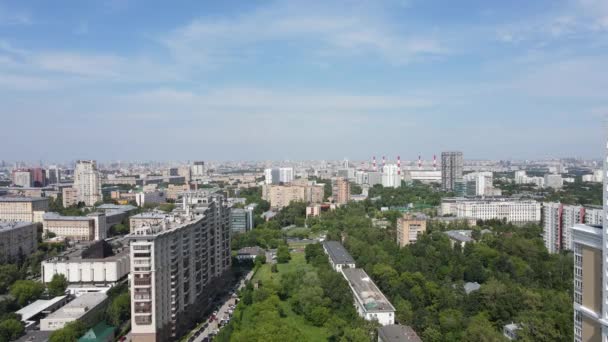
[460, 235]
[471, 287]
[149, 215]
[79, 306]
[51, 216]
[337, 253]
[38, 307]
[9, 225]
[366, 291]
[22, 199]
[398, 333]
[116, 207]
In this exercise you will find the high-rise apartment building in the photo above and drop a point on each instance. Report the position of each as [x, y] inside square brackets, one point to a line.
[38, 177]
[341, 190]
[53, 175]
[452, 164]
[558, 220]
[87, 182]
[22, 178]
[278, 175]
[391, 177]
[198, 170]
[177, 267]
[409, 227]
[590, 245]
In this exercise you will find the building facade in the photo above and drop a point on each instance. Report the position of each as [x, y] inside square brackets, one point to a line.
[280, 196]
[409, 227]
[241, 220]
[17, 240]
[452, 165]
[22, 178]
[370, 302]
[341, 190]
[87, 182]
[78, 228]
[558, 220]
[511, 210]
[391, 177]
[24, 209]
[176, 267]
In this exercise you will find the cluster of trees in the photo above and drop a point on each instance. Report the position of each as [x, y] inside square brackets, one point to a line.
[520, 281]
[416, 193]
[315, 292]
[576, 193]
[509, 187]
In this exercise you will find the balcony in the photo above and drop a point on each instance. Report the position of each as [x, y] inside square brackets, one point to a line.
[143, 281]
[145, 308]
[143, 320]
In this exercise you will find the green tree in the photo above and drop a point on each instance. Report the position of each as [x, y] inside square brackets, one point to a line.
[119, 309]
[480, 329]
[70, 333]
[8, 275]
[11, 329]
[57, 285]
[26, 291]
[283, 255]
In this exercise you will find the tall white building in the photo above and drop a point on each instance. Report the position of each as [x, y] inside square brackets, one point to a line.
[279, 175]
[558, 220]
[22, 178]
[87, 182]
[198, 170]
[390, 176]
[177, 266]
[483, 182]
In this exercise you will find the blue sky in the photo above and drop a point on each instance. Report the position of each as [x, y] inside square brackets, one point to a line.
[228, 80]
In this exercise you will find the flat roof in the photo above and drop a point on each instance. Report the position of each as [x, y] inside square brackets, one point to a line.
[337, 253]
[110, 206]
[366, 291]
[398, 333]
[52, 216]
[37, 307]
[460, 235]
[22, 199]
[78, 307]
[9, 225]
[149, 215]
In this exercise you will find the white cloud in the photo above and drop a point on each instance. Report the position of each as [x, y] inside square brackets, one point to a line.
[213, 40]
[14, 17]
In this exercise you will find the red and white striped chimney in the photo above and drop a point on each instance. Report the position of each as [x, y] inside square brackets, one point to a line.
[399, 165]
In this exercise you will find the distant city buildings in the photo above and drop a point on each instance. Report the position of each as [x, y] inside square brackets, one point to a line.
[409, 227]
[481, 184]
[558, 220]
[25, 209]
[452, 165]
[522, 178]
[22, 178]
[510, 209]
[554, 181]
[176, 267]
[17, 240]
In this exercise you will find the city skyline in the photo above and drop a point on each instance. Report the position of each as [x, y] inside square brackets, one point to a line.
[118, 80]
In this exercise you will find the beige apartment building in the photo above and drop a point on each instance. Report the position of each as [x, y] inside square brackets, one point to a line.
[69, 197]
[341, 191]
[78, 228]
[24, 209]
[177, 267]
[17, 240]
[280, 196]
[409, 227]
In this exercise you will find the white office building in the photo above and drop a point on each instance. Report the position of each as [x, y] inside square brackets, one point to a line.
[513, 210]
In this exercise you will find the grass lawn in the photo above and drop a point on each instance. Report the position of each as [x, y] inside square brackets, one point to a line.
[264, 274]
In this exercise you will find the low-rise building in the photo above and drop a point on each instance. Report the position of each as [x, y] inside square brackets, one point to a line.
[339, 257]
[23, 209]
[460, 237]
[79, 228]
[510, 331]
[409, 227]
[370, 302]
[249, 253]
[510, 209]
[397, 333]
[17, 240]
[32, 313]
[83, 308]
[94, 264]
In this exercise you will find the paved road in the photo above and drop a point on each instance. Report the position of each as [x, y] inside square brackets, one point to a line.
[223, 311]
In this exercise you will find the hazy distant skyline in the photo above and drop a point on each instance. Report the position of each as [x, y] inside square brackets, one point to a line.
[259, 80]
